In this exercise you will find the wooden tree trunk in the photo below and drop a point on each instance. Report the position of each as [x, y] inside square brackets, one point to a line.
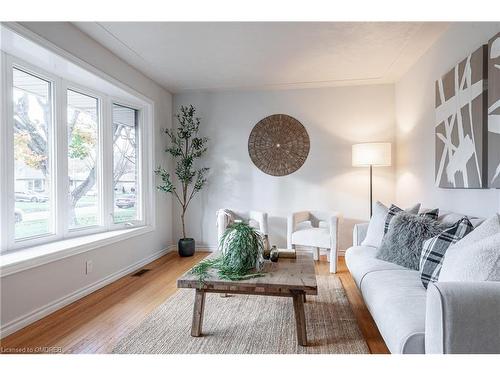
[183, 224]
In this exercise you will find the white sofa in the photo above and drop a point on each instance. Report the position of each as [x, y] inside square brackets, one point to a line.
[448, 317]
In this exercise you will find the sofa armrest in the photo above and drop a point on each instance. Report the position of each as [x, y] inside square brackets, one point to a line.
[359, 233]
[463, 317]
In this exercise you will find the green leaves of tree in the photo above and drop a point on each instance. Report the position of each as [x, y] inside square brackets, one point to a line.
[166, 185]
[81, 144]
[185, 147]
[201, 179]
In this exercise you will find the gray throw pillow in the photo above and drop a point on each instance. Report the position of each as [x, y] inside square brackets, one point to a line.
[402, 243]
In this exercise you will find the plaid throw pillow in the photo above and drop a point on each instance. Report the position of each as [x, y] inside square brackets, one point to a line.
[394, 210]
[433, 214]
[434, 249]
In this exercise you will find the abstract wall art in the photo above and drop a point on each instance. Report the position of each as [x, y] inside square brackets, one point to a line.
[494, 111]
[461, 124]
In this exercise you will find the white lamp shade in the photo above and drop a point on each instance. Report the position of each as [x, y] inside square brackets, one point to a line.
[376, 154]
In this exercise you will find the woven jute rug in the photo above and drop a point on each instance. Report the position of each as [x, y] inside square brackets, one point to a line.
[241, 324]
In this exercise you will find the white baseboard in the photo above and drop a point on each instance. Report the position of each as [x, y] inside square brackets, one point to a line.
[171, 248]
[49, 308]
[210, 248]
[201, 247]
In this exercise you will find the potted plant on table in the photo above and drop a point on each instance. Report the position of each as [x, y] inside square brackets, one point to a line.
[241, 255]
[186, 146]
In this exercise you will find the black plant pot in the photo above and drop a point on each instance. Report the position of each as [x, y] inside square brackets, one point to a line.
[186, 247]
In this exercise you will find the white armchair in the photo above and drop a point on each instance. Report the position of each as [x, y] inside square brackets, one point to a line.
[317, 229]
[255, 219]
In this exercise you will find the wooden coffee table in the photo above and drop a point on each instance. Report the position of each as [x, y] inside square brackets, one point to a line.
[293, 278]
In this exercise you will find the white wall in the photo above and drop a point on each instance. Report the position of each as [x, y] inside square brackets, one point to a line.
[34, 290]
[335, 118]
[414, 95]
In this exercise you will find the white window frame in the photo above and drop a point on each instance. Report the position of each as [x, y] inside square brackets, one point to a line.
[140, 165]
[60, 187]
[3, 152]
[11, 64]
[101, 99]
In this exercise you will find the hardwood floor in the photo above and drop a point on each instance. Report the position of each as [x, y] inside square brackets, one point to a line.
[95, 323]
[365, 321]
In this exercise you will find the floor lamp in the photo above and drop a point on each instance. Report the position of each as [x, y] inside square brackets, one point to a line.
[371, 155]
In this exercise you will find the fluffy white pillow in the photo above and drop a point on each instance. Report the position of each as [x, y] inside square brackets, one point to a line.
[478, 261]
[375, 231]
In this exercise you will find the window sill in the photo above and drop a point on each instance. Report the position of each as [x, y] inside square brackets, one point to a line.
[35, 256]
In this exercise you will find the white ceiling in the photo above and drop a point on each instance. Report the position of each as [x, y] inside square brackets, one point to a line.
[183, 56]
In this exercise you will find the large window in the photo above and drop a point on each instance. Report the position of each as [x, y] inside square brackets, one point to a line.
[125, 168]
[83, 166]
[32, 149]
[73, 158]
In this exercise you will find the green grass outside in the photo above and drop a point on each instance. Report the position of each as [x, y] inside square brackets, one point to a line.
[32, 228]
[29, 228]
[30, 207]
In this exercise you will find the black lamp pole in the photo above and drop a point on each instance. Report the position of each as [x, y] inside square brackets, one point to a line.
[371, 190]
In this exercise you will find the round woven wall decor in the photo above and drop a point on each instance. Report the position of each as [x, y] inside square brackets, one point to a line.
[278, 145]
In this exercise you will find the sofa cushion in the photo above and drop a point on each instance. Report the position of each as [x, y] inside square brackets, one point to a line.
[317, 237]
[403, 242]
[394, 210]
[434, 249]
[433, 213]
[375, 231]
[477, 256]
[449, 218]
[487, 229]
[479, 261]
[361, 261]
[396, 300]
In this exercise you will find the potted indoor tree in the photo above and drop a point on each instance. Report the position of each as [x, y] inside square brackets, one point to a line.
[185, 147]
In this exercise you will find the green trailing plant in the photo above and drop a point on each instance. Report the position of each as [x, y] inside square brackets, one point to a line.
[241, 249]
[186, 146]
